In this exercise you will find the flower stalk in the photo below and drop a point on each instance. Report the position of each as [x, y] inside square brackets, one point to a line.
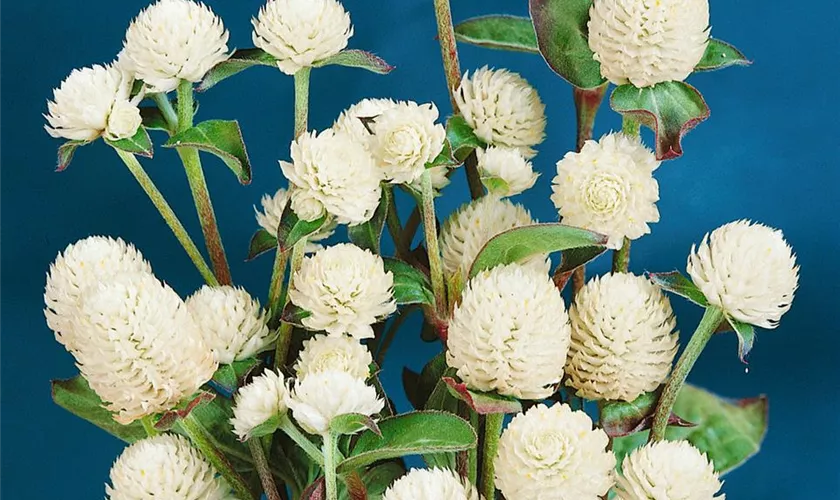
[432, 245]
[330, 461]
[284, 339]
[263, 469]
[621, 257]
[290, 429]
[490, 447]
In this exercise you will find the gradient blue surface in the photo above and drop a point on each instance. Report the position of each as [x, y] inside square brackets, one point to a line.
[767, 153]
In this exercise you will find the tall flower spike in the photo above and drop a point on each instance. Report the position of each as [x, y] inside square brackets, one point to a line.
[272, 212]
[330, 352]
[645, 42]
[173, 40]
[301, 32]
[748, 270]
[254, 404]
[425, 484]
[623, 338]
[508, 166]
[404, 139]
[553, 452]
[165, 466]
[510, 333]
[320, 397]
[608, 187]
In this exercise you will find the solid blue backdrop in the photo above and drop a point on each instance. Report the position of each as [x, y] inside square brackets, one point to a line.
[767, 153]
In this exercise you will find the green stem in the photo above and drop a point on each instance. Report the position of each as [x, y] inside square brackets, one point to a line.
[261, 463]
[284, 339]
[710, 322]
[168, 215]
[395, 229]
[472, 453]
[330, 461]
[301, 100]
[166, 109]
[275, 290]
[149, 426]
[492, 431]
[287, 426]
[621, 258]
[204, 443]
[432, 245]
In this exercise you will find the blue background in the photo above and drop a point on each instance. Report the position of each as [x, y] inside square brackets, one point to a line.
[769, 153]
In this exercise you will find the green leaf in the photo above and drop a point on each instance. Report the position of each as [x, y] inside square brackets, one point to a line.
[746, 337]
[76, 396]
[461, 138]
[572, 259]
[410, 285]
[231, 377]
[66, 152]
[140, 144]
[719, 55]
[240, 60]
[378, 479]
[266, 428]
[353, 58]
[678, 284]
[411, 434]
[522, 242]
[153, 119]
[294, 315]
[352, 423]
[483, 403]
[622, 418]
[293, 229]
[495, 185]
[169, 418]
[562, 36]
[215, 417]
[442, 399]
[670, 109]
[499, 32]
[222, 138]
[261, 242]
[369, 234]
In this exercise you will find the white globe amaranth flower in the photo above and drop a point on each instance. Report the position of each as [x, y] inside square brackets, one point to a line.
[404, 139]
[142, 352]
[748, 270]
[258, 401]
[508, 165]
[553, 452]
[165, 466]
[174, 40]
[92, 102]
[623, 338]
[301, 32]
[345, 289]
[333, 169]
[668, 470]
[608, 187]
[84, 264]
[272, 211]
[510, 333]
[425, 484]
[232, 323]
[645, 42]
[502, 108]
[332, 352]
[440, 179]
[357, 120]
[320, 397]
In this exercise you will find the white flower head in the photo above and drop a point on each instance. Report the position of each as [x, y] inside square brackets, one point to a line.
[510, 333]
[232, 323]
[507, 165]
[623, 338]
[440, 179]
[670, 470]
[502, 108]
[426, 484]
[83, 265]
[332, 352]
[142, 351]
[334, 170]
[320, 397]
[608, 187]
[357, 120]
[553, 452]
[165, 466]
[92, 102]
[748, 270]
[404, 139]
[645, 42]
[301, 32]
[272, 211]
[254, 404]
[345, 289]
[174, 40]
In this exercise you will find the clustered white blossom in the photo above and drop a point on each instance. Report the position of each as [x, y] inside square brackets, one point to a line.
[510, 333]
[553, 452]
[405, 138]
[357, 120]
[435, 483]
[507, 165]
[257, 402]
[670, 470]
[319, 397]
[748, 270]
[272, 211]
[608, 187]
[331, 352]
[645, 42]
[301, 32]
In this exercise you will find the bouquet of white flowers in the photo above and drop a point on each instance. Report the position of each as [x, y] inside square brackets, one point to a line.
[221, 397]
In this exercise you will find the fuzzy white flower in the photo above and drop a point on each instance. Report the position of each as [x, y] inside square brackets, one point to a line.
[254, 404]
[165, 466]
[553, 452]
[510, 333]
[232, 323]
[82, 265]
[502, 108]
[173, 40]
[272, 211]
[608, 187]
[301, 32]
[320, 397]
[91, 102]
[748, 270]
[507, 165]
[345, 289]
[623, 338]
[142, 351]
[467, 230]
[404, 139]
[425, 484]
[357, 120]
[668, 470]
[330, 352]
[646, 42]
[332, 169]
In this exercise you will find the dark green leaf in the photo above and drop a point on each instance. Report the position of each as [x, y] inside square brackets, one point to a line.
[483, 403]
[292, 229]
[461, 138]
[442, 399]
[140, 144]
[670, 109]
[352, 423]
[66, 152]
[215, 417]
[411, 381]
[76, 396]
[153, 119]
[719, 55]
[572, 259]
[622, 418]
[231, 377]
[222, 138]
[378, 479]
[499, 32]
[240, 60]
[678, 284]
[266, 428]
[294, 315]
[261, 242]
[353, 58]
[430, 376]
[168, 419]
[746, 337]
[410, 285]
[369, 234]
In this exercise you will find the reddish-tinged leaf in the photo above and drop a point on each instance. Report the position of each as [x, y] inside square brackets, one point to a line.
[620, 418]
[355, 486]
[572, 259]
[261, 242]
[483, 403]
[66, 152]
[315, 491]
[168, 419]
[719, 55]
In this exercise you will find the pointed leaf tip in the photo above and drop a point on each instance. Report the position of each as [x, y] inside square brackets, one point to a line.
[678, 284]
[746, 337]
[353, 58]
[222, 138]
[66, 152]
[140, 144]
[719, 55]
[484, 403]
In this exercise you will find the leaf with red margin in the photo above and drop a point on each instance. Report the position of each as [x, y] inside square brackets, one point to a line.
[622, 418]
[66, 152]
[719, 55]
[353, 58]
[484, 403]
[670, 109]
[315, 491]
[572, 259]
[262, 242]
[168, 419]
[356, 489]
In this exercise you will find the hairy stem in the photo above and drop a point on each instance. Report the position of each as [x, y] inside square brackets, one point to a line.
[287, 426]
[330, 461]
[472, 453]
[432, 245]
[492, 431]
[166, 109]
[261, 463]
[392, 220]
[621, 258]
[301, 100]
[284, 339]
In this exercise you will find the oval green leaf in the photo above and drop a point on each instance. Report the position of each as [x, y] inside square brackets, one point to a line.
[261, 242]
[678, 284]
[484, 403]
[240, 60]
[719, 55]
[66, 152]
[222, 138]
[410, 285]
[76, 396]
[499, 32]
[352, 423]
[140, 144]
[353, 58]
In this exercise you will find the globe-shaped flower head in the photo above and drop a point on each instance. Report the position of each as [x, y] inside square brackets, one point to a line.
[320, 397]
[263, 398]
[357, 120]
[404, 139]
[333, 352]
[505, 172]
[425, 484]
